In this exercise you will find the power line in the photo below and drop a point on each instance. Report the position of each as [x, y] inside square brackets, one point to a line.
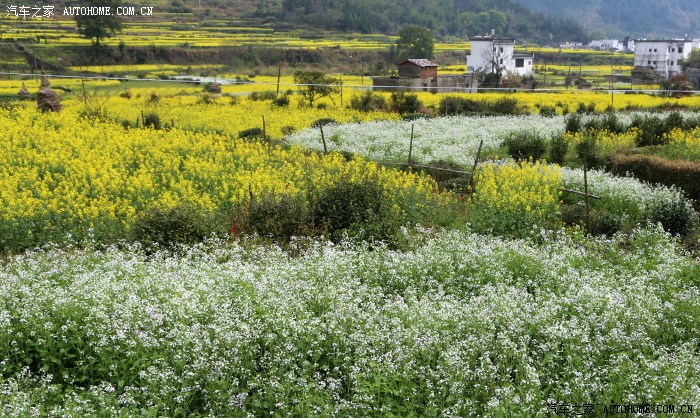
[355, 86]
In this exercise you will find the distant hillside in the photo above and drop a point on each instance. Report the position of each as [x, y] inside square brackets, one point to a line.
[637, 18]
[443, 17]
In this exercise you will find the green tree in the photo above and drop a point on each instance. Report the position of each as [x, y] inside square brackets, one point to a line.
[99, 27]
[315, 84]
[414, 42]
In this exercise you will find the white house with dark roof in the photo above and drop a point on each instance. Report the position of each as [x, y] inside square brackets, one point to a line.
[496, 55]
[662, 56]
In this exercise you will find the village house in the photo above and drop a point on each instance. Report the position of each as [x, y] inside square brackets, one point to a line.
[422, 75]
[663, 57]
[607, 45]
[496, 55]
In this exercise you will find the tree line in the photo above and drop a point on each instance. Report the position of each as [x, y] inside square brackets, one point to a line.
[442, 17]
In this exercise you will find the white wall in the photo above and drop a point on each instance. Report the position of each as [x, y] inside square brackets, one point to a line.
[483, 52]
[663, 56]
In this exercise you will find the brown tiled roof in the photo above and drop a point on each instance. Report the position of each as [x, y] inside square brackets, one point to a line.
[421, 62]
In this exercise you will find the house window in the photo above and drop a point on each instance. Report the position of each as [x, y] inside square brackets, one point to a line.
[648, 62]
[671, 62]
[649, 49]
[519, 63]
[673, 49]
[529, 62]
[654, 49]
[680, 49]
[501, 49]
[494, 49]
[501, 61]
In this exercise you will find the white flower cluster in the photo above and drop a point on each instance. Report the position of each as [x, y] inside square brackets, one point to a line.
[453, 138]
[464, 325]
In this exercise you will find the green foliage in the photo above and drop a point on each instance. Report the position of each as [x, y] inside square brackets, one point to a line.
[558, 147]
[674, 211]
[99, 27]
[278, 216]
[651, 130]
[448, 175]
[253, 134]
[612, 123]
[403, 103]
[257, 96]
[587, 150]
[281, 101]
[603, 222]
[315, 85]
[323, 122]
[168, 227]
[152, 120]
[506, 106]
[288, 130]
[525, 145]
[357, 209]
[414, 42]
[548, 111]
[368, 101]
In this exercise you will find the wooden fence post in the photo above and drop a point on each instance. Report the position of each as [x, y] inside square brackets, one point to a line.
[410, 146]
[323, 140]
[476, 161]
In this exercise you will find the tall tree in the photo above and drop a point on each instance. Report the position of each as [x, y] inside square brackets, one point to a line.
[414, 42]
[315, 84]
[99, 27]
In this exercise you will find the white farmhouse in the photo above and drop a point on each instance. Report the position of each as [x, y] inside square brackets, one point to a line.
[607, 44]
[663, 56]
[495, 55]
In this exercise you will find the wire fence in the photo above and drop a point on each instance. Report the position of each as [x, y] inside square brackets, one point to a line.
[228, 81]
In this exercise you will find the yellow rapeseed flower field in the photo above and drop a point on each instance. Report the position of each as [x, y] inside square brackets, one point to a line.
[60, 173]
[512, 198]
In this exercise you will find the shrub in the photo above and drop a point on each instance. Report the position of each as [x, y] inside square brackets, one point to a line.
[603, 222]
[359, 209]
[573, 123]
[673, 121]
[581, 109]
[402, 102]
[125, 95]
[548, 111]
[612, 123]
[674, 211]
[447, 175]
[651, 130]
[587, 150]
[167, 227]
[252, 134]
[288, 130]
[262, 96]
[323, 122]
[281, 101]
[152, 120]
[525, 145]
[652, 169]
[368, 101]
[558, 147]
[455, 105]
[281, 217]
[505, 106]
